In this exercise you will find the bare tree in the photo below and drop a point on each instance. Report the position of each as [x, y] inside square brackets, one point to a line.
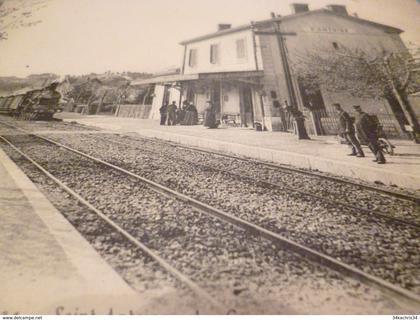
[16, 14]
[374, 74]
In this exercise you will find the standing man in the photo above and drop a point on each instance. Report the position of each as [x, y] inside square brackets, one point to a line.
[367, 130]
[348, 131]
[172, 113]
[163, 114]
[299, 121]
[180, 116]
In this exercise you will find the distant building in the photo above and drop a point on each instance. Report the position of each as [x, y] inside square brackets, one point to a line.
[241, 70]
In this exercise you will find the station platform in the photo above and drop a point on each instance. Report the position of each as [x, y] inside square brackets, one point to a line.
[47, 267]
[323, 153]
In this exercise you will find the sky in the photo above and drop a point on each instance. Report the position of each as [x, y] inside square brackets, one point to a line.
[84, 36]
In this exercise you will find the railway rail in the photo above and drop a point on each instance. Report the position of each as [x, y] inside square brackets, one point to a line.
[292, 170]
[267, 184]
[28, 145]
[216, 306]
[386, 250]
[284, 168]
[277, 239]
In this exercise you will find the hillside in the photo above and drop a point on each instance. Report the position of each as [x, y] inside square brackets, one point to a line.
[8, 85]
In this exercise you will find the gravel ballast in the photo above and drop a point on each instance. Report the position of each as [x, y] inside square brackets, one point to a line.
[248, 273]
[381, 248]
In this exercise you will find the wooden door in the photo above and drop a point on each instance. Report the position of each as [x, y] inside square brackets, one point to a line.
[246, 107]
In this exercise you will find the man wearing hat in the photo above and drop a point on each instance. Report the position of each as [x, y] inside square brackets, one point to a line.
[163, 114]
[348, 132]
[172, 113]
[367, 131]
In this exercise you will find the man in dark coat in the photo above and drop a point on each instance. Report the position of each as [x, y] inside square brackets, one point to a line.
[348, 132]
[163, 114]
[172, 113]
[367, 131]
[180, 116]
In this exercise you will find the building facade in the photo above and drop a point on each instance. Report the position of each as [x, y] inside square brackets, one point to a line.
[245, 71]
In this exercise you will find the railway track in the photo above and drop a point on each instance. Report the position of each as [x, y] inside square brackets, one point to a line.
[304, 273]
[271, 185]
[291, 170]
[386, 250]
[275, 238]
[216, 306]
[283, 168]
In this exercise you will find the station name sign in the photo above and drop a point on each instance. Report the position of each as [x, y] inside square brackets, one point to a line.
[328, 29]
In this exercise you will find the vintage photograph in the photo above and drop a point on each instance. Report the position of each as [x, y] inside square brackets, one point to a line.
[214, 157]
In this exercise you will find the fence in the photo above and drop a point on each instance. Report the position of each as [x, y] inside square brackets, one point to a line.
[133, 111]
[330, 124]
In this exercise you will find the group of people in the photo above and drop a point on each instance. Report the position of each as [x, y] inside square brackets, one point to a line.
[367, 131]
[364, 125]
[185, 115]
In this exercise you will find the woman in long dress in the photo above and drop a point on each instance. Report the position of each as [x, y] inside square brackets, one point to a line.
[210, 116]
[191, 117]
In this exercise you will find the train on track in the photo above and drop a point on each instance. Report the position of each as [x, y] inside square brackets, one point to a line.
[37, 104]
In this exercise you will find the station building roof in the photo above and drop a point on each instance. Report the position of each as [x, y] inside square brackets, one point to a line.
[235, 75]
[386, 28]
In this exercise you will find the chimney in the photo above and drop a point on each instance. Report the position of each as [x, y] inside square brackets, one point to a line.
[299, 7]
[339, 9]
[223, 26]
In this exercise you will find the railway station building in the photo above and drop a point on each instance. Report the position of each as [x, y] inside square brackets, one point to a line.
[242, 71]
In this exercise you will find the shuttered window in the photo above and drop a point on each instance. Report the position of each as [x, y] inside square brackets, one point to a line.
[241, 49]
[193, 58]
[214, 54]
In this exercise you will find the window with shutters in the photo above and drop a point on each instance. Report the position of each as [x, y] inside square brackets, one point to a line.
[193, 58]
[241, 49]
[214, 53]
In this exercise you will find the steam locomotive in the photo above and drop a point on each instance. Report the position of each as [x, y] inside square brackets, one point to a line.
[39, 104]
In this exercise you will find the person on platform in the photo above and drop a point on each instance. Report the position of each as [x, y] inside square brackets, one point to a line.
[367, 131]
[172, 113]
[299, 121]
[191, 115]
[194, 114]
[348, 132]
[180, 115]
[210, 116]
[163, 114]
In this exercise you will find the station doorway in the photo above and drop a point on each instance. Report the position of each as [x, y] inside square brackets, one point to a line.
[246, 106]
[215, 98]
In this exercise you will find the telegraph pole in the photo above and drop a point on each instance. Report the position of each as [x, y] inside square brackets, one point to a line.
[297, 115]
